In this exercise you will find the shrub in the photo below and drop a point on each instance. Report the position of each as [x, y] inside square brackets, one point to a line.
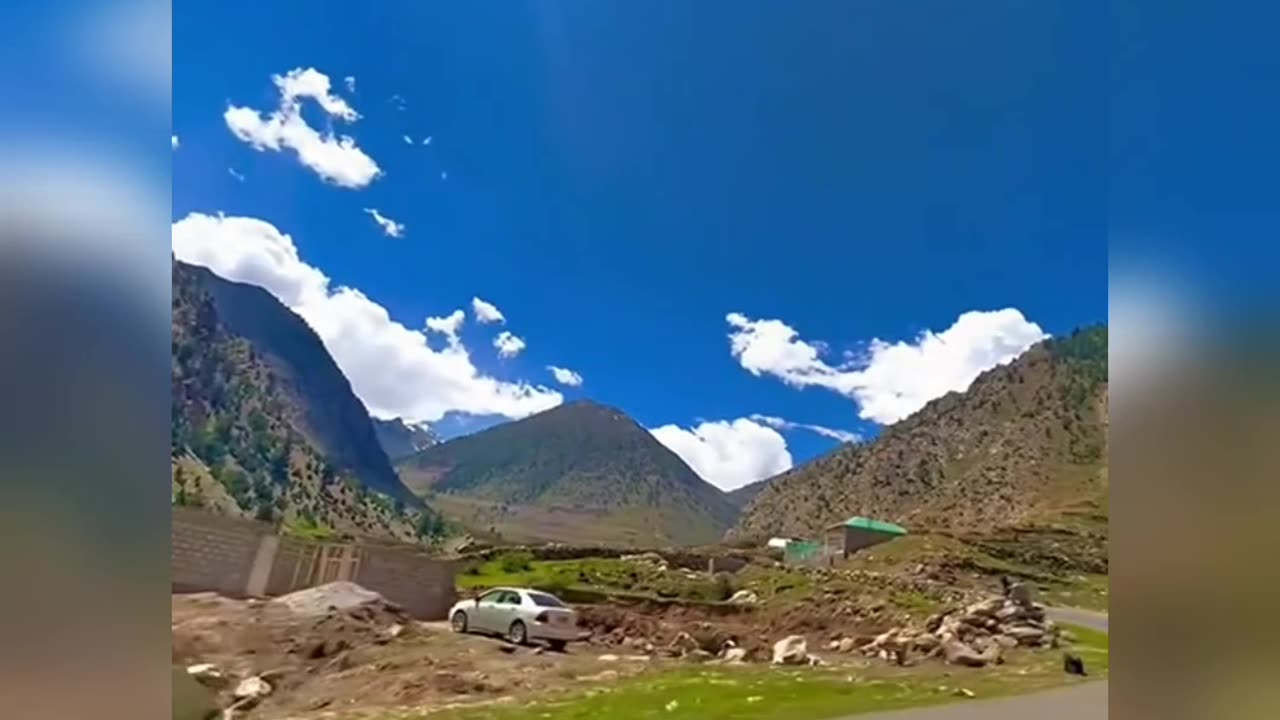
[514, 562]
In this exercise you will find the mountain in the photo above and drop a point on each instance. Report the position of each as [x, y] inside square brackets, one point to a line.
[400, 439]
[247, 435]
[581, 472]
[323, 407]
[1025, 443]
[742, 497]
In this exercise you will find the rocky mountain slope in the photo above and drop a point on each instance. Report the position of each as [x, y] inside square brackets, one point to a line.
[1025, 443]
[245, 436]
[581, 472]
[399, 439]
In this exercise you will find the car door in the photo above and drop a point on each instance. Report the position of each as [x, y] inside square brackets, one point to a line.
[483, 617]
[505, 611]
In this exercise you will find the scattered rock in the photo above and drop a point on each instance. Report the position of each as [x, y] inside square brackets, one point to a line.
[793, 650]
[833, 645]
[207, 674]
[1005, 641]
[395, 631]
[755, 698]
[608, 658]
[964, 692]
[671, 706]
[846, 645]
[536, 651]
[744, 597]
[252, 688]
[735, 656]
[506, 648]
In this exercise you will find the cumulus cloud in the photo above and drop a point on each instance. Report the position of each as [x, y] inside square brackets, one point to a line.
[449, 326]
[392, 368]
[728, 454]
[891, 380]
[173, 140]
[390, 227]
[778, 423]
[486, 312]
[565, 376]
[508, 345]
[336, 159]
[408, 140]
[350, 81]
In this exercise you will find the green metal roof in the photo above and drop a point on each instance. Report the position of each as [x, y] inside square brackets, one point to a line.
[875, 525]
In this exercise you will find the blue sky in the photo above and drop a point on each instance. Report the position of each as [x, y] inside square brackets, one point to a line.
[618, 178]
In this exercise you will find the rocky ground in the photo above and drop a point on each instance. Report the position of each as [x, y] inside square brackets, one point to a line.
[342, 651]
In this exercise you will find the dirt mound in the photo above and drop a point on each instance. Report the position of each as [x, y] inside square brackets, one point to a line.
[334, 596]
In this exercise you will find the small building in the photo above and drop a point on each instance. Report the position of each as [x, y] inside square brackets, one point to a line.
[857, 533]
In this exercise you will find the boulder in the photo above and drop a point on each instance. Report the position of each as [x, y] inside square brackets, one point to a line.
[1021, 593]
[207, 674]
[1005, 641]
[744, 597]
[793, 650]
[252, 688]
[1025, 634]
[985, 608]
[958, 653]
[608, 658]
[735, 656]
[845, 645]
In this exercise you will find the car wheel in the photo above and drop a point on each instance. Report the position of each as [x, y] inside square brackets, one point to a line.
[459, 622]
[556, 645]
[518, 633]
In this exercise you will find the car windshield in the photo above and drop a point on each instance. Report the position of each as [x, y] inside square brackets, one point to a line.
[545, 600]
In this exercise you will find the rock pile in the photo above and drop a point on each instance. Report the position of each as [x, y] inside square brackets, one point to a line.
[975, 636]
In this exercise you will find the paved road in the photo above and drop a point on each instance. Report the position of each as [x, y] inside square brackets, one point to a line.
[1085, 701]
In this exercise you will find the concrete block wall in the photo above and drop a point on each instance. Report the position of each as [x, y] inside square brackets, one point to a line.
[239, 558]
[422, 585]
[213, 552]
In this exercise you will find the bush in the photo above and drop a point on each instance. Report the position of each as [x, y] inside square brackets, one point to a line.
[724, 588]
[514, 562]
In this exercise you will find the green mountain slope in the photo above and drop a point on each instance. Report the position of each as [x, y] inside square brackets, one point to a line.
[1024, 444]
[580, 472]
[241, 442]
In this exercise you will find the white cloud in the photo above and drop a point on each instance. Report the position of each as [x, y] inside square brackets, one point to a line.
[426, 140]
[444, 175]
[408, 140]
[565, 376]
[892, 380]
[778, 423]
[173, 139]
[486, 312]
[336, 159]
[232, 172]
[449, 325]
[392, 368]
[390, 227]
[350, 81]
[728, 454]
[508, 345]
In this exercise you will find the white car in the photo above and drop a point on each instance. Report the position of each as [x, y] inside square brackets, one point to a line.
[518, 614]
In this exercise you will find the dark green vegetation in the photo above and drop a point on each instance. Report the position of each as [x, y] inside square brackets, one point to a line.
[1023, 446]
[603, 473]
[243, 437]
[764, 693]
[321, 403]
[400, 439]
